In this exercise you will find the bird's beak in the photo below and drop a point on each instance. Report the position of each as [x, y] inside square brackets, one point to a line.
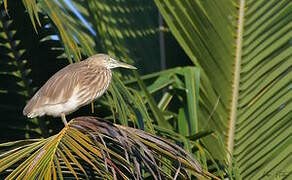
[121, 64]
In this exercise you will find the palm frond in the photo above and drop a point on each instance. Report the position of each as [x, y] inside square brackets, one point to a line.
[32, 8]
[112, 151]
[244, 51]
[15, 74]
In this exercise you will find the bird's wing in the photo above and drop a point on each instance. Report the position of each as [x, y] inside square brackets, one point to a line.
[58, 89]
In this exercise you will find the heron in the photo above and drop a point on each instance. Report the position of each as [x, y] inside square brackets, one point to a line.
[72, 87]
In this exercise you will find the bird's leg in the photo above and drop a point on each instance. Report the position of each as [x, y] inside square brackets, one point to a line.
[63, 117]
[92, 107]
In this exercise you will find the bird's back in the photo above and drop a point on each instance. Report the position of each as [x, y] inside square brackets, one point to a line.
[70, 88]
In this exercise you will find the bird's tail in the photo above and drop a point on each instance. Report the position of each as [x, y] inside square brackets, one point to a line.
[27, 111]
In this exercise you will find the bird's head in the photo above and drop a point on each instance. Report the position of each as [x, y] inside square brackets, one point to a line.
[108, 62]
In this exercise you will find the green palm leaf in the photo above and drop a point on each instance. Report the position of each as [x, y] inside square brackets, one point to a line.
[244, 51]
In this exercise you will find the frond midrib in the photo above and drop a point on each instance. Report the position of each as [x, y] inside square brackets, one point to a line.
[236, 78]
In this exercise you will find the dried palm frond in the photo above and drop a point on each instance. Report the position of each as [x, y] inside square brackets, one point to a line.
[90, 147]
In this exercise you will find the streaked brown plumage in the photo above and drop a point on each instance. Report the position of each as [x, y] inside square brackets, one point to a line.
[74, 86]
